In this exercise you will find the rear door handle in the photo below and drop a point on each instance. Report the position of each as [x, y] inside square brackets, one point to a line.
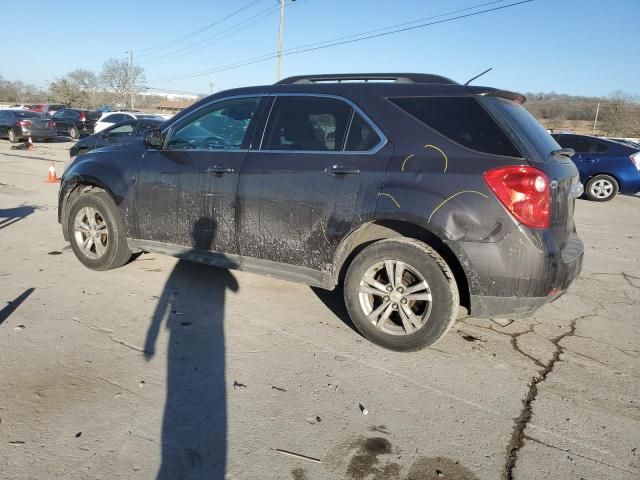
[219, 170]
[341, 170]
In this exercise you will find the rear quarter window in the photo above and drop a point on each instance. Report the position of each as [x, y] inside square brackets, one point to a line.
[461, 119]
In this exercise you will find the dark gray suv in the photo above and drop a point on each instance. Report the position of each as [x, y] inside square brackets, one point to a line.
[417, 194]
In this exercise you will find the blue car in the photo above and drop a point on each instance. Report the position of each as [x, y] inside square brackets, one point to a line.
[606, 166]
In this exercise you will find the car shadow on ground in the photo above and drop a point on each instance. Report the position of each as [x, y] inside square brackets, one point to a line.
[9, 216]
[334, 301]
[194, 426]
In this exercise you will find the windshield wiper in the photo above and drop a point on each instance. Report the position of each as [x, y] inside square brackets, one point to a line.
[568, 152]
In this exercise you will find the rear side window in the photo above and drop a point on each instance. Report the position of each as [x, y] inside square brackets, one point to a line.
[463, 120]
[361, 136]
[307, 124]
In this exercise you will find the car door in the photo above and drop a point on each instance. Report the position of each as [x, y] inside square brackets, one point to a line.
[186, 192]
[316, 174]
[62, 119]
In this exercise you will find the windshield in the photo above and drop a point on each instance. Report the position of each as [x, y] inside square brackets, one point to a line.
[528, 130]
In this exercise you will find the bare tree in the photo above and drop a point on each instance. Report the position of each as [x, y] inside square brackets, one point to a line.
[68, 93]
[117, 77]
[621, 117]
[85, 80]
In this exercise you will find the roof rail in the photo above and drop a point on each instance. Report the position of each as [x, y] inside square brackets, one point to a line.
[367, 77]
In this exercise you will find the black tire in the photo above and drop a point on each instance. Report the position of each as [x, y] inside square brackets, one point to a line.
[73, 133]
[117, 251]
[11, 134]
[427, 263]
[601, 188]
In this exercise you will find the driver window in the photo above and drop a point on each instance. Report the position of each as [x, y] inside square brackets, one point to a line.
[222, 126]
[121, 131]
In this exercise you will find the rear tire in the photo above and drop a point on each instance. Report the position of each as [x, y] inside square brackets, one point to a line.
[409, 312]
[13, 138]
[96, 232]
[601, 188]
[73, 133]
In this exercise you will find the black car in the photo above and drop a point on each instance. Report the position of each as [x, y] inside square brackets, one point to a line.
[74, 122]
[19, 125]
[415, 193]
[124, 132]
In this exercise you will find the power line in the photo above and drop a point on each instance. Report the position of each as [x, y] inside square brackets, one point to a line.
[342, 41]
[200, 30]
[215, 37]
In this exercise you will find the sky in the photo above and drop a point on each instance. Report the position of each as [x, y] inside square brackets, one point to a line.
[578, 47]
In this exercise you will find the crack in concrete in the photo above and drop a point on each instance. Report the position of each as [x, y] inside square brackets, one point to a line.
[517, 435]
[586, 457]
[514, 339]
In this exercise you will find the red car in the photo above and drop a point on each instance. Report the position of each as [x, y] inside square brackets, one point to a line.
[46, 109]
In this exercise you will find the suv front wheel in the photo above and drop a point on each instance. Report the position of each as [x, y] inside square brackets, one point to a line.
[401, 294]
[97, 232]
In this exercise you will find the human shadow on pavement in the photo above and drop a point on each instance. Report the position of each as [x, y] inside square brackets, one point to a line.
[191, 307]
[9, 216]
[14, 304]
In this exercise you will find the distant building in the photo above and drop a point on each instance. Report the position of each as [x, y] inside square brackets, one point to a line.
[172, 106]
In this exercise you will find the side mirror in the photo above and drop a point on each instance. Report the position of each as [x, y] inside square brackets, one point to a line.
[153, 139]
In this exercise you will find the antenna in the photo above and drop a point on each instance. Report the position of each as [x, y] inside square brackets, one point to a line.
[478, 76]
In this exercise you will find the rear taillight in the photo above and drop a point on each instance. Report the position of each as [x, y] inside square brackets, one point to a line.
[24, 123]
[635, 158]
[83, 117]
[524, 191]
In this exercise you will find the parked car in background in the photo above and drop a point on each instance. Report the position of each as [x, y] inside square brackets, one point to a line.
[124, 132]
[19, 125]
[606, 166]
[47, 110]
[74, 122]
[416, 193]
[111, 118]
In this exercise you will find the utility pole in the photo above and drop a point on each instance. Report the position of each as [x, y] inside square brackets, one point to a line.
[131, 76]
[211, 87]
[280, 34]
[595, 121]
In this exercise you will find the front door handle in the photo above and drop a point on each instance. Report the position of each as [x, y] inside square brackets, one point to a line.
[341, 170]
[590, 159]
[219, 170]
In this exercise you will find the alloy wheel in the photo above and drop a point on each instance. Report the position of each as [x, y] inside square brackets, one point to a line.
[91, 232]
[395, 297]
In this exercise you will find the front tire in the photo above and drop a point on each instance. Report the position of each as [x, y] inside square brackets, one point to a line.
[400, 294]
[73, 133]
[96, 232]
[601, 188]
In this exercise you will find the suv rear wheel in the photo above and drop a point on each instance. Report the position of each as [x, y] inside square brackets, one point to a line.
[13, 138]
[73, 133]
[97, 233]
[401, 294]
[601, 188]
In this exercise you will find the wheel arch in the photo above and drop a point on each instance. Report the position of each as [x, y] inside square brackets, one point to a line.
[371, 232]
[70, 192]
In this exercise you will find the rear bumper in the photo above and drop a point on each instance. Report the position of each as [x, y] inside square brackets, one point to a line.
[514, 277]
[39, 134]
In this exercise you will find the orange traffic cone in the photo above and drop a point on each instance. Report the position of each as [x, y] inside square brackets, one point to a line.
[29, 143]
[52, 178]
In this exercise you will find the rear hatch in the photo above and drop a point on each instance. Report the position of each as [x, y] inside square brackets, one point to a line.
[537, 145]
[34, 122]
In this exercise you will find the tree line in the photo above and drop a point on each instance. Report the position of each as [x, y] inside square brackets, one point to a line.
[618, 114]
[83, 88]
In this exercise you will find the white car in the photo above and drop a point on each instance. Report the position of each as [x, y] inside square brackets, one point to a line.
[110, 118]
